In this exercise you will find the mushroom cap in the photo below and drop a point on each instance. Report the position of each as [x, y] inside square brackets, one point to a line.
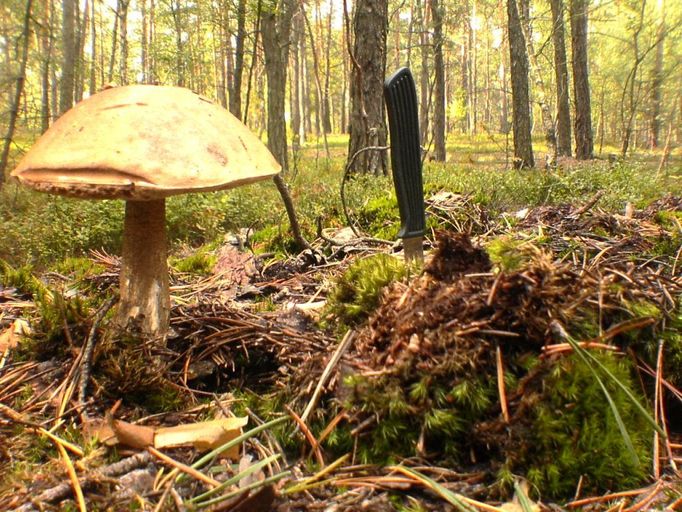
[144, 142]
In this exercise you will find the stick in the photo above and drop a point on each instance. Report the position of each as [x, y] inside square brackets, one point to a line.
[198, 475]
[88, 350]
[336, 357]
[64, 490]
[308, 435]
[589, 204]
[73, 477]
[500, 384]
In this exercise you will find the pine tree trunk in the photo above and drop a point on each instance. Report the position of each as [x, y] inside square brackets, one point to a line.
[439, 89]
[67, 82]
[236, 92]
[367, 126]
[584, 146]
[657, 83]
[45, 64]
[563, 129]
[535, 72]
[523, 148]
[18, 91]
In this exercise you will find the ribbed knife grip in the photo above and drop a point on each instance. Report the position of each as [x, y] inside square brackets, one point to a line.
[403, 122]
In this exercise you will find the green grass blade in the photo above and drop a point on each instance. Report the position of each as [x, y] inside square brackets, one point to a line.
[452, 498]
[524, 500]
[246, 435]
[640, 408]
[236, 478]
[250, 487]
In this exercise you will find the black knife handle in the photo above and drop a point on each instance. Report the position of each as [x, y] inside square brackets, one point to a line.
[403, 121]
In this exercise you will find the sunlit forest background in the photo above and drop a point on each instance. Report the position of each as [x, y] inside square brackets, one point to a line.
[63, 51]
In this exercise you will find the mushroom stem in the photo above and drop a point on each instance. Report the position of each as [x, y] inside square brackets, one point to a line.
[145, 296]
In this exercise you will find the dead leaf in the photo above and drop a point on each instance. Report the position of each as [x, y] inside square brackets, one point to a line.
[133, 436]
[11, 336]
[204, 435]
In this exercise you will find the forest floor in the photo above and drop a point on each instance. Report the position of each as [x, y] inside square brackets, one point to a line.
[509, 304]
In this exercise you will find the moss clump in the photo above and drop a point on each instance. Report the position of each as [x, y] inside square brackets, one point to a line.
[58, 313]
[380, 217]
[200, 263]
[572, 433]
[125, 368]
[358, 290]
[510, 254]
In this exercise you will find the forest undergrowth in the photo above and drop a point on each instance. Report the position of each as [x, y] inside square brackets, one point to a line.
[535, 361]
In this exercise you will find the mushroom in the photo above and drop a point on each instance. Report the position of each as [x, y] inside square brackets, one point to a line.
[143, 143]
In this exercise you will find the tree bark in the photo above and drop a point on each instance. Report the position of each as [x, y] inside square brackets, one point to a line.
[367, 126]
[563, 123]
[67, 82]
[439, 88]
[236, 91]
[18, 91]
[523, 148]
[535, 72]
[584, 145]
[424, 85]
[276, 31]
[46, 60]
[657, 83]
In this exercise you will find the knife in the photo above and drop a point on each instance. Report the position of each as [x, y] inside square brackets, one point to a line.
[403, 121]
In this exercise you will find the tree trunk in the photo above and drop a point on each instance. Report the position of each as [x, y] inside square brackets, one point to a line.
[81, 73]
[535, 72]
[523, 148]
[67, 82]
[18, 91]
[254, 51]
[367, 127]
[92, 86]
[657, 83]
[124, 42]
[326, 104]
[297, 132]
[563, 128]
[276, 31]
[236, 91]
[321, 113]
[439, 89]
[46, 60]
[424, 88]
[176, 12]
[584, 146]
[114, 42]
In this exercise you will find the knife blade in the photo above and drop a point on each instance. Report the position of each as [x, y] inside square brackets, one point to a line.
[400, 95]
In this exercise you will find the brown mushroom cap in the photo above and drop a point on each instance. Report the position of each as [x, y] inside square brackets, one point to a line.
[144, 142]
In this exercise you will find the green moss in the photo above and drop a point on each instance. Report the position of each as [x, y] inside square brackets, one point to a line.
[573, 433]
[57, 313]
[357, 291]
[200, 263]
[78, 267]
[274, 239]
[507, 253]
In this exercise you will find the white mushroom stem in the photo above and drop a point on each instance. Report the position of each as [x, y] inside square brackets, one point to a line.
[145, 296]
